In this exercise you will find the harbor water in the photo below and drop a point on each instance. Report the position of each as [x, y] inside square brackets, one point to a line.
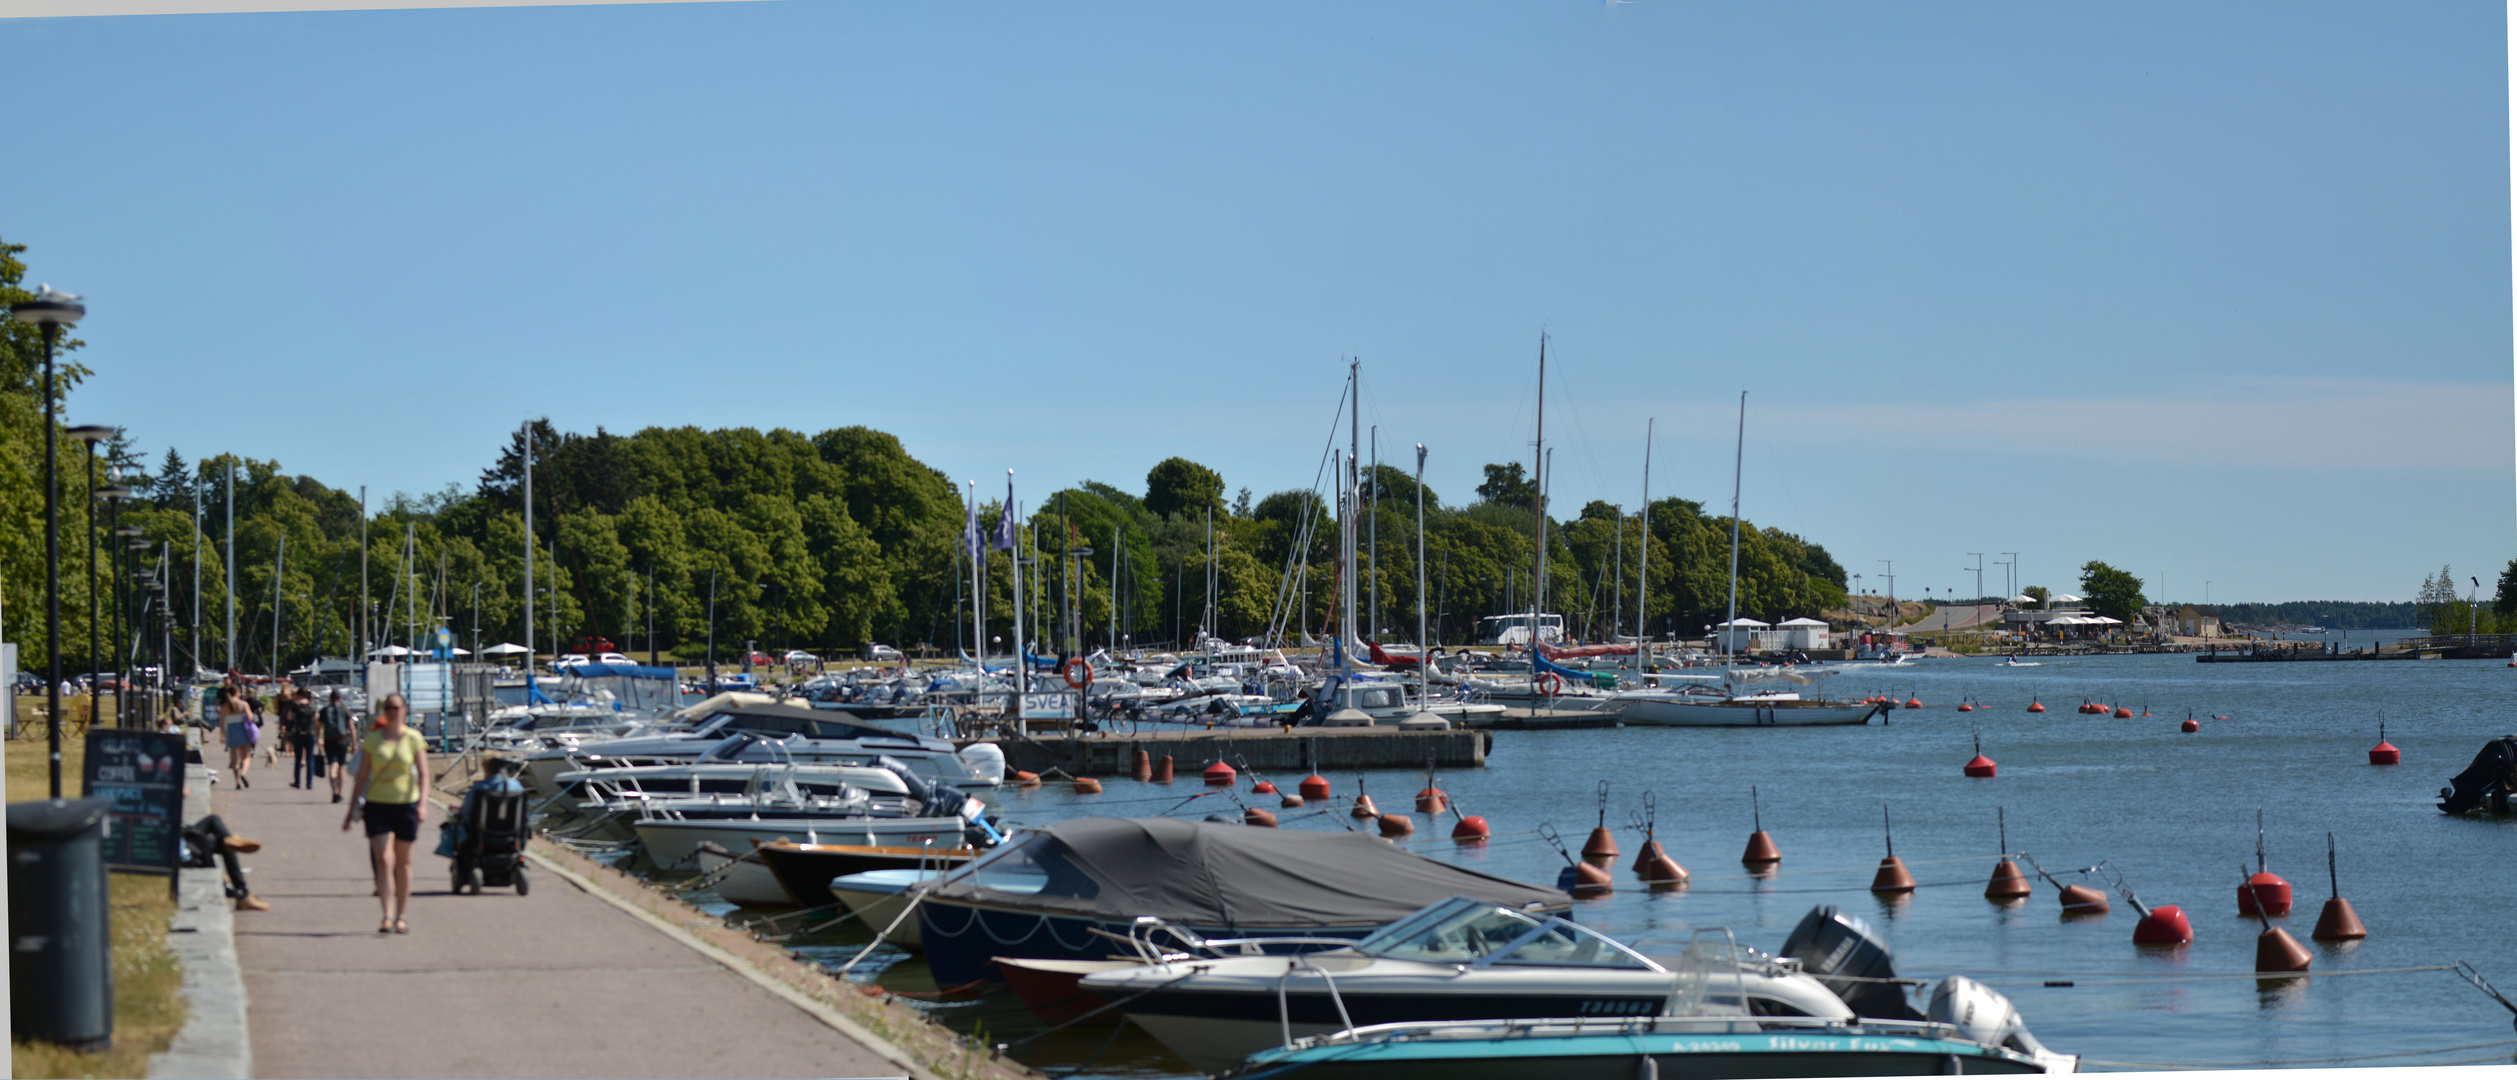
[2174, 813]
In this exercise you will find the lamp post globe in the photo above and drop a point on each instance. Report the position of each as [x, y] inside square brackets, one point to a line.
[50, 310]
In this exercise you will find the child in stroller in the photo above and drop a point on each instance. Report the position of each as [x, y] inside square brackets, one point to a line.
[486, 837]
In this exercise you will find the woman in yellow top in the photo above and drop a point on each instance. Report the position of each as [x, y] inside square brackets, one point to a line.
[391, 794]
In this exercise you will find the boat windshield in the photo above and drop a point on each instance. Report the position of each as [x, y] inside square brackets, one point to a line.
[1457, 930]
[1563, 944]
[1013, 868]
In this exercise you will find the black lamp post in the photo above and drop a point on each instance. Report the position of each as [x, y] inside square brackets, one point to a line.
[50, 311]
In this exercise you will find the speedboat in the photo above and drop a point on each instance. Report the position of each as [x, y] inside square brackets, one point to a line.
[803, 735]
[1717, 1012]
[1054, 892]
[806, 870]
[1457, 960]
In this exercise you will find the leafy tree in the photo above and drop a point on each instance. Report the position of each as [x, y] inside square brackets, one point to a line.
[173, 487]
[2038, 593]
[2505, 600]
[1507, 484]
[2113, 593]
[1180, 487]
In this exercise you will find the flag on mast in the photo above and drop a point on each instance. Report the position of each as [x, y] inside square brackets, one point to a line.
[1005, 521]
[970, 528]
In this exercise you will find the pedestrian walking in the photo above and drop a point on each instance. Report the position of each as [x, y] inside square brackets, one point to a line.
[390, 794]
[237, 722]
[297, 721]
[337, 727]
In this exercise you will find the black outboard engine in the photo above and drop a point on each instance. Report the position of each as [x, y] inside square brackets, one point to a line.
[2491, 778]
[1837, 948]
[934, 800]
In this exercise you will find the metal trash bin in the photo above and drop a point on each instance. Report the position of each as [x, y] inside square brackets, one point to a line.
[61, 963]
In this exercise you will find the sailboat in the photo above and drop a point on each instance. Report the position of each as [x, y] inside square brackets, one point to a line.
[1744, 697]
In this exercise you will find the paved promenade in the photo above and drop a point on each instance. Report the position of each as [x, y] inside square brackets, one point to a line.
[557, 984]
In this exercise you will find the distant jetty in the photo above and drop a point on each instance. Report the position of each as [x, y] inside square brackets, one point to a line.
[2444, 647]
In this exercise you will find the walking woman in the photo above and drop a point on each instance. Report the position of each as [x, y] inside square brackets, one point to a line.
[237, 722]
[390, 793]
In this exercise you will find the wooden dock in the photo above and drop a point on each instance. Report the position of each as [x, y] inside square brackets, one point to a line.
[1269, 750]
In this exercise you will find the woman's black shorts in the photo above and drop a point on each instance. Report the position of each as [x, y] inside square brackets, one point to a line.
[400, 819]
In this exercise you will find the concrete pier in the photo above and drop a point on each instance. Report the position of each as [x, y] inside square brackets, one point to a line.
[1268, 750]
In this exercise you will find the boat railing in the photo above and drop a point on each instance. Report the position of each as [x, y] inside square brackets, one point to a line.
[1605, 1025]
[1141, 936]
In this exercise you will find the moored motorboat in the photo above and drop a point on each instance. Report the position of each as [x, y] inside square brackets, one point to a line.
[1669, 1048]
[741, 879]
[806, 869]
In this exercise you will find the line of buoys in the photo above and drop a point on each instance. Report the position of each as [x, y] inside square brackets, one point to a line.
[2264, 888]
[1258, 817]
[1315, 787]
[2384, 753]
[1980, 766]
[2337, 922]
[1143, 770]
[1220, 775]
[1892, 878]
[2275, 950]
[2008, 885]
[1162, 770]
[1085, 785]
[1601, 849]
[1762, 856]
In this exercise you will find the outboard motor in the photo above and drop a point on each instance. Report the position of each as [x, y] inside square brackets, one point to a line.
[1837, 948]
[1982, 1014]
[985, 761]
[2491, 777]
[934, 800]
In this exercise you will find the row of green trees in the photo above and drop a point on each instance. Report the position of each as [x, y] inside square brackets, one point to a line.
[830, 540]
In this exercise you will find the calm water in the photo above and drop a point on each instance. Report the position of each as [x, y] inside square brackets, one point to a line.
[2174, 812]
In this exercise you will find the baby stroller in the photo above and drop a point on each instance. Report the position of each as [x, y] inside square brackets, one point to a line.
[486, 839]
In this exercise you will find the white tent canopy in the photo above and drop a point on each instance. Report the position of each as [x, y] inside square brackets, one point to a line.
[1743, 623]
[391, 650]
[503, 649]
[1803, 621]
[2066, 598]
[2023, 598]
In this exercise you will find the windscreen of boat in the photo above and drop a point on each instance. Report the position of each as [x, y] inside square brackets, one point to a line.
[1455, 931]
[1563, 944]
[782, 723]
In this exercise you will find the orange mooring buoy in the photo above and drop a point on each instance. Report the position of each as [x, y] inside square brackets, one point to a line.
[1966, 706]
[2007, 884]
[1470, 829]
[1364, 808]
[1262, 788]
[2081, 900]
[1591, 881]
[2384, 753]
[1761, 856]
[1315, 787]
[2163, 925]
[1659, 871]
[1289, 802]
[1397, 825]
[1143, 770]
[1980, 766]
[1432, 800]
[2122, 713]
[2275, 950]
[1914, 703]
[1220, 775]
[1256, 816]
[2264, 889]
[1026, 779]
[2035, 705]
[1162, 770]
[1601, 849]
[2190, 725]
[1085, 785]
[2337, 922]
[1891, 878]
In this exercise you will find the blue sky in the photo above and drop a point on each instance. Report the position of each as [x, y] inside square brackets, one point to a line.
[2213, 292]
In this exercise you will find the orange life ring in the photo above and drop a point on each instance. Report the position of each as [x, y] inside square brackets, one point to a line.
[1550, 683]
[1073, 666]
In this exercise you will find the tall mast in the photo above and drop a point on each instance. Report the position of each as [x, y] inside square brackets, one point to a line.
[1730, 630]
[1538, 506]
[1643, 565]
[231, 564]
[1538, 585]
[1372, 547]
[363, 643]
[197, 651]
[1354, 442]
[1022, 660]
[530, 601]
[1424, 648]
[978, 583]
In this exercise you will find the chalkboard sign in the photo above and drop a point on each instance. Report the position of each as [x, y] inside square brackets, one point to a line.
[143, 773]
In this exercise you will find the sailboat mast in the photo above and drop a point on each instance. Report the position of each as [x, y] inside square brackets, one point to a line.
[1538, 505]
[1643, 565]
[1730, 629]
[1022, 658]
[1424, 646]
[1354, 443]
[529, 600]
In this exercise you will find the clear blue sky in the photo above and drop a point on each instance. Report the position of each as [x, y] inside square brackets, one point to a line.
[2209, 291]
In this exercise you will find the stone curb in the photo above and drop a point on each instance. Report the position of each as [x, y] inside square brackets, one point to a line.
[214, 1043]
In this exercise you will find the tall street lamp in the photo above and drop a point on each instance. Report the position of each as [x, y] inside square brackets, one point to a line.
[88, 435]
[50, 311]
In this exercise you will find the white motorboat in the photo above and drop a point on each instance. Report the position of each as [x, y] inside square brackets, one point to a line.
[732, 767]
[672, 838]
[1457, 960]
[803, 735]
[741, 879]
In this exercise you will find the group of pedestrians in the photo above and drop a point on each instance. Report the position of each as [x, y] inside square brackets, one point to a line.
[388, 787]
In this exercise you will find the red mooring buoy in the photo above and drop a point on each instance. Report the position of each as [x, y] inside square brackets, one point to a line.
[1397, 825]
[2337, 922]
[2190, 726]
[1364, 808]
[1601, 849]
[1290, 802]
[1964, 706]
[2081, 900]
[1024, 778]
[1980, 766]
[1470, 830]
[1162, 770]
[1143, 770]
[2122, 713]
[1262, 788]
[2163, 925]
[1660, 872]
[1258, 817]
[1761, 856]
[2035, 705]
[2264, 889]
[2384, 753]
[1892, 878]
[1220, 775]
[1432, 800]
[2007, 884]
[1914, 703]
[1315, 787]
[1085, 785]
[1590, 881]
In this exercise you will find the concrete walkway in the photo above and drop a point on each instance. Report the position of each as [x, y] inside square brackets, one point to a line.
[556, 984]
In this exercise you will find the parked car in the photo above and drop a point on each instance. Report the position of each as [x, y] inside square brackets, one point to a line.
[799, 656]
[879, 653]
[614, 658]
